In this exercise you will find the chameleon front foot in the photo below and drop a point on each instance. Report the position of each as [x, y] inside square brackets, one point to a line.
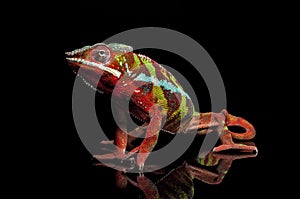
[141, 158]
[141, 168]
[118, 154]
[105, 156]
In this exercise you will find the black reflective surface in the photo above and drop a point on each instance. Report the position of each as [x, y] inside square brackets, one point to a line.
[62, 167]
[181, 179]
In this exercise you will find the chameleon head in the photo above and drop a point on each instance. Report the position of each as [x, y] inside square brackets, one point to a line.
[97, 60]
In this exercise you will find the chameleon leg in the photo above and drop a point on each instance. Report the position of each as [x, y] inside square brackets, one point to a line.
[121, 143]
[204, 122]
[121, 136]
[120, 140]
[151, 136]
[152, 131]
[131, 137]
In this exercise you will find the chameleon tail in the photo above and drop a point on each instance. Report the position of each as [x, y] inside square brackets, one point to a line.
[227, 135]
[238, 121]
[222, 121]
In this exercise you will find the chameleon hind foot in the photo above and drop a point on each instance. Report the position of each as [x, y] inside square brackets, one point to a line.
[228, 144]
[239, 147]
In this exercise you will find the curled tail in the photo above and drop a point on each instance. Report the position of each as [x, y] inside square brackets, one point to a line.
[238, 121]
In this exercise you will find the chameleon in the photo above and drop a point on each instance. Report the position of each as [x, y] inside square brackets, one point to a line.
[155, 97]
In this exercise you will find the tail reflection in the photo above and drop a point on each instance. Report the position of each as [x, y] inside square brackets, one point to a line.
[179, 181]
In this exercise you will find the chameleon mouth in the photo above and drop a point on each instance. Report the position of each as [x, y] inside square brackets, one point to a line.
[74, 56]
[93, 64]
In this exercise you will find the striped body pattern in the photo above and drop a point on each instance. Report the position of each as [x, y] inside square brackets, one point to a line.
[154, 85]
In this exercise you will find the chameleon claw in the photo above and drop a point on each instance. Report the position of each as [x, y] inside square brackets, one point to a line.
[132, 161]
[141, 168]
[141, 174]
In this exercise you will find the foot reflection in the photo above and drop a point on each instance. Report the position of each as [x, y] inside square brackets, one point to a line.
[176, 181]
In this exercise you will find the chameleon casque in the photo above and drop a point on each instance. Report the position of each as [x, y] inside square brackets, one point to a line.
[155, 98]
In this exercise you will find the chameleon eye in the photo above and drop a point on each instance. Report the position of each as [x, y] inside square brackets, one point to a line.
[101, 54]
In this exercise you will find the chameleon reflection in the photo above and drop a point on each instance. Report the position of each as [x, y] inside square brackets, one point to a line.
[179, 182]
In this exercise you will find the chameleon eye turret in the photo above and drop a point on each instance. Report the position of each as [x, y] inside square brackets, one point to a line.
[101, 54]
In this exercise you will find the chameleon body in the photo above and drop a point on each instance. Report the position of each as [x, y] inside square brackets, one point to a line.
[155, 98]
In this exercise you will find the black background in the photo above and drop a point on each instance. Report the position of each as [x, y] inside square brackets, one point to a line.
[245, 50]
